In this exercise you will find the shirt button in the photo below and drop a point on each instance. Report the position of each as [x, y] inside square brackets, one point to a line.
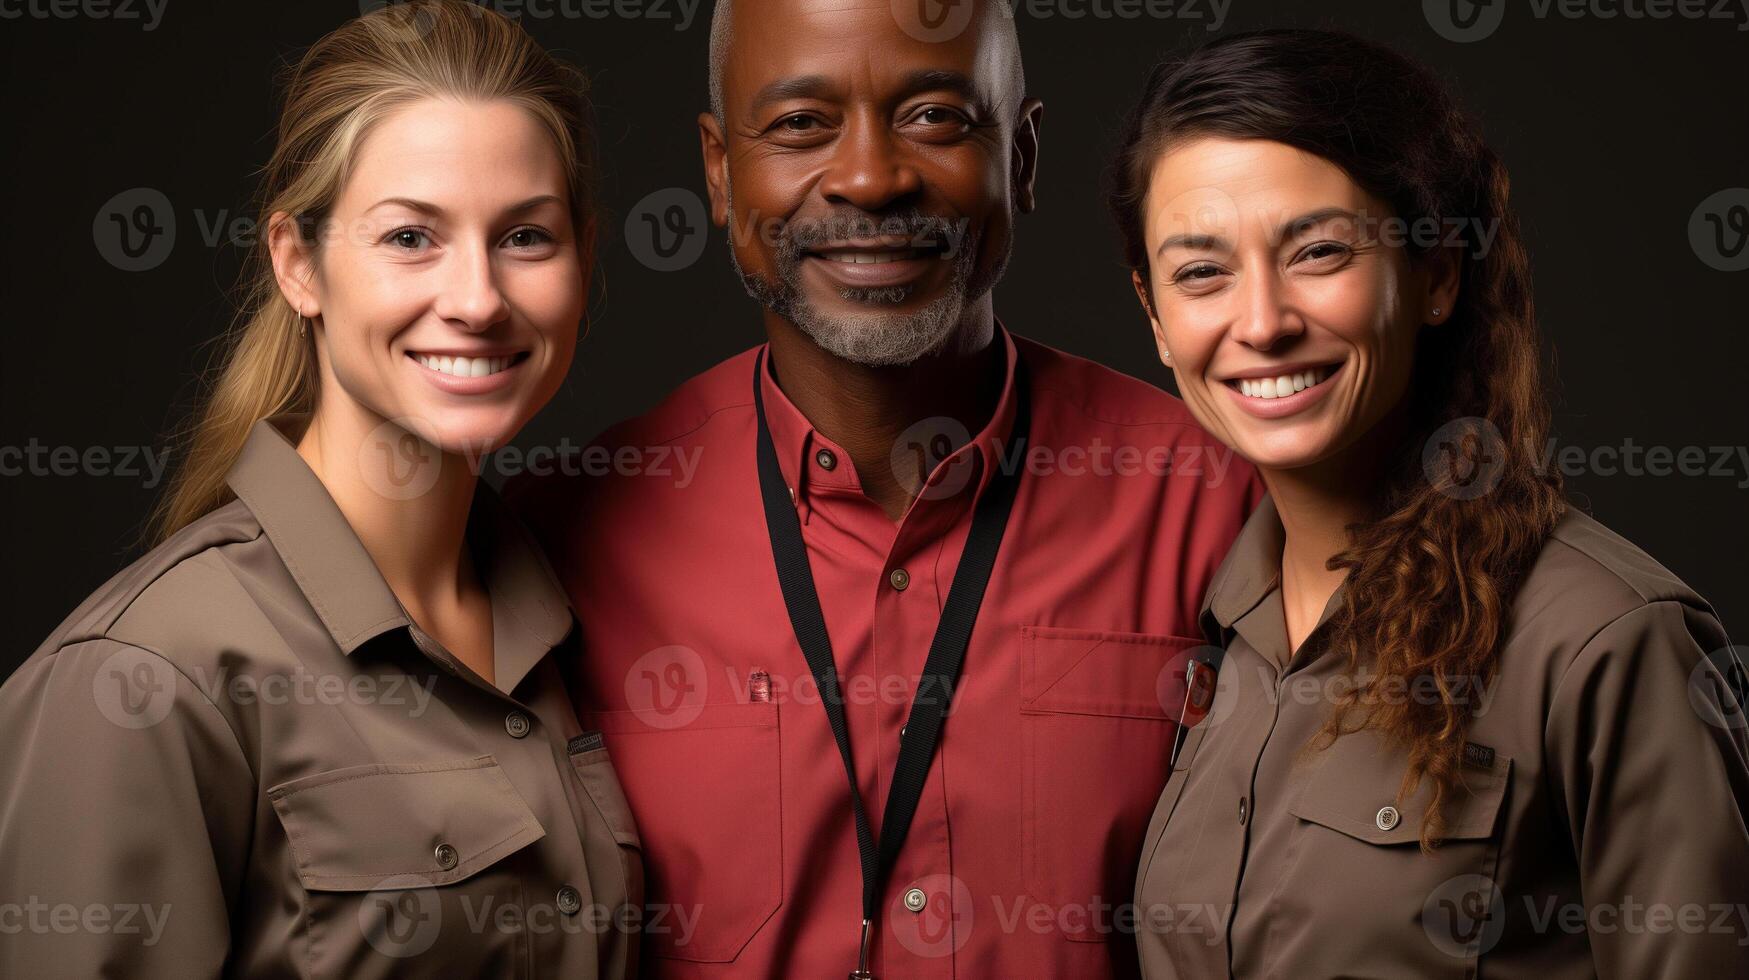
[446, 856]
[569, 900]
[516, 723]
[915, 899]
[1244, 809]
[1387, 818]
[826, 460]
[900, 579]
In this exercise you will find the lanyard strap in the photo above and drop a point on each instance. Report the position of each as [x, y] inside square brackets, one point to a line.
[946, 652]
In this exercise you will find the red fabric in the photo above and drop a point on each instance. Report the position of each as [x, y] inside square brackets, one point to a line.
[1056, 745]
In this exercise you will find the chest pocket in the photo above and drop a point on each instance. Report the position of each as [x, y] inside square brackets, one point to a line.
[395, 860]
[1434, 911]
[1098, 711]
[601, 785]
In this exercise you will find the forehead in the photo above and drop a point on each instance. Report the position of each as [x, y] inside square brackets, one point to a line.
[1218, 181]
[860, 48]
[435, 148]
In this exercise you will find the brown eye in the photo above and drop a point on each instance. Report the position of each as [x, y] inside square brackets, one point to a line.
[1324, 250]
[527, 237]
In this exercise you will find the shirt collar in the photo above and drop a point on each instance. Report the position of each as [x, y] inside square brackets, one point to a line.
[530, 612]
[811, 462]
[1252, 568]
[1250, 575]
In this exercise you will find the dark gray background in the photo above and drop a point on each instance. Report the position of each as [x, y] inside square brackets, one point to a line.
[1616, 131]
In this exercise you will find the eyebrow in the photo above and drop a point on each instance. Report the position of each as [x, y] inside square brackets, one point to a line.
[1211, 243]
[821, 87]
[426, 207]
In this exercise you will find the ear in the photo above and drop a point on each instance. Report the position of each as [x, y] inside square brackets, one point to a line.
[1444, 270]
[715, 151]
[1024, 162]
[294, 264]
[1141, 287]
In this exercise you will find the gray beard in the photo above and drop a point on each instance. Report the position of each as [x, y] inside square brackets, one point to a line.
[877, 337]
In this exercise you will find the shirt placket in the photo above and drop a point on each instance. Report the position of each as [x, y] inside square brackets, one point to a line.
[554, 908]
[926, 907]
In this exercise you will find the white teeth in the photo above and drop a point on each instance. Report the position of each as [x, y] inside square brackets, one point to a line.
[464, 367]
[1283, 385]
[868, 258]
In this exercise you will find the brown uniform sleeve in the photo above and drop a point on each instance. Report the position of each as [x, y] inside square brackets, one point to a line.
[125, 812]
[1655, 792]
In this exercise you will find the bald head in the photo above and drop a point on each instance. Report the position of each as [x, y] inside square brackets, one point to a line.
[992, 17]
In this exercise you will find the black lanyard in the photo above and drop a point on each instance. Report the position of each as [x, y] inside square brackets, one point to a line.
[946, 652]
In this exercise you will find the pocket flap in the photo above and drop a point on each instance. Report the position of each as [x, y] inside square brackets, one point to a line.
[1100, 672]
[595, 770]
[1354, 791]
[352, 828]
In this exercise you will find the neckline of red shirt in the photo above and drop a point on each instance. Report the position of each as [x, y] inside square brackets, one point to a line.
[799, 444]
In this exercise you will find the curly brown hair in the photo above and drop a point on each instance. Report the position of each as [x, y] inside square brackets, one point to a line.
[1466, 506]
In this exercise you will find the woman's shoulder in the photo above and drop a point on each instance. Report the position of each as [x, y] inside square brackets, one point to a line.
[164, 602]
[1589, 582]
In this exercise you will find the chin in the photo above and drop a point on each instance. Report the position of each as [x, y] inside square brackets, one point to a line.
[1285, 450]
[470, 431]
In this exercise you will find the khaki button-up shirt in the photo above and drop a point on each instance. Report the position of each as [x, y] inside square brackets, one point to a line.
[1601, 831]
[241, 758]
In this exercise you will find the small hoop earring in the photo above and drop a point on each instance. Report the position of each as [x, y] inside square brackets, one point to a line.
[1436, 311]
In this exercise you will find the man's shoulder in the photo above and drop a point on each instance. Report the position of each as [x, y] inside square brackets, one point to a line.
[725, 387]
[1096, 393]
[663, 442]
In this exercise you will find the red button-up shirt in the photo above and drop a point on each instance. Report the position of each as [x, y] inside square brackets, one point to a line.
[1021, 859]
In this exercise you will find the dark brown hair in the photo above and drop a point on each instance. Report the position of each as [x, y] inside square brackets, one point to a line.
[1432, 573]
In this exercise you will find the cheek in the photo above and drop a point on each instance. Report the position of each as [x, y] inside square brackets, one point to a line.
[551, 298]
[1192, 328]
[1355, 308]
[365, 308]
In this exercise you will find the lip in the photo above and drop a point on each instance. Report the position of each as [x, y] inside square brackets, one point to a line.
[898, 272]
[1276, 370]
[1275, 408]
[485, 384]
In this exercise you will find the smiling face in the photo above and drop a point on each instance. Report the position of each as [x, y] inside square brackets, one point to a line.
[1287, 306]
[449, 283]
[870, 179]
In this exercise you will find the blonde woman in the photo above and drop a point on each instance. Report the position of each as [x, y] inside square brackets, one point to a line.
[318, 730]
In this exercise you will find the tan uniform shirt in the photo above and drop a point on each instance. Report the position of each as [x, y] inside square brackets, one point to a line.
[241, 758]
[1602, 832]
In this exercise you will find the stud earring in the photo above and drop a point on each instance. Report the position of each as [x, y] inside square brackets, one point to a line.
[1436, 311]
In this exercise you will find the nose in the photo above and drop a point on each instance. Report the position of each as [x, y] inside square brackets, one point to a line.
[1265, 319]
[870, 170]
[471, 298]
